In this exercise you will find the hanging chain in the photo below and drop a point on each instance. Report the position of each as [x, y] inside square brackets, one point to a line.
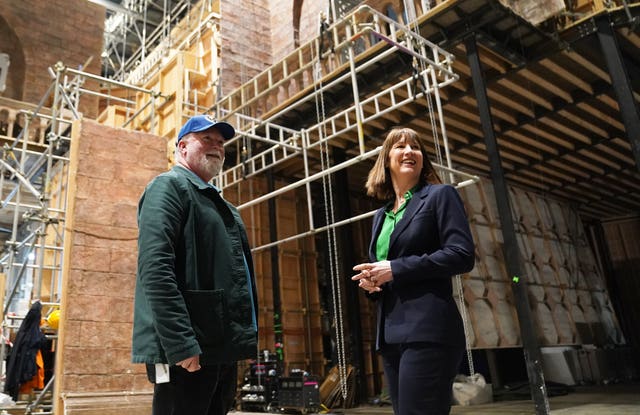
[432, 116]
[465, 323]
[336, 286]
[420, 70]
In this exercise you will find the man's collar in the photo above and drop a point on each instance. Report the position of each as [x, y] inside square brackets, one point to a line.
[195, 179]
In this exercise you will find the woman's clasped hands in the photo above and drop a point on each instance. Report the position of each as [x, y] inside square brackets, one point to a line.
[373, 275]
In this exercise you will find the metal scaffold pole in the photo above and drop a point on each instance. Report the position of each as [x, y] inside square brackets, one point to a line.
[281, 145]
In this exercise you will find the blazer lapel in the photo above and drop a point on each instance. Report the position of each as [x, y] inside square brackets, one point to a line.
[377, 224]
[414, 205]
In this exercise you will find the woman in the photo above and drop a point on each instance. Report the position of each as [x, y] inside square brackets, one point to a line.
[421, 238]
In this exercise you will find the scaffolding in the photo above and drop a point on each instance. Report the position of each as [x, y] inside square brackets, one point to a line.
[35, 164]
[362, 39]
[33, 168]
[35, 161]
[36, 139]
[139, 34]
[33, 181]
[358, 42]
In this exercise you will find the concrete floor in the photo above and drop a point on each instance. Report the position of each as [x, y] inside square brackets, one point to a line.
[619, 399]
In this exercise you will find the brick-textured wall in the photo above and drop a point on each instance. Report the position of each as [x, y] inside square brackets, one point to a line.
[10, 44]
[108, 171]
[282, 24]
[281, 28]
[246, 35]
[55, 30]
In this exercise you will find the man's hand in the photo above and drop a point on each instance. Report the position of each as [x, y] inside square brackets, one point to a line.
[191, 364]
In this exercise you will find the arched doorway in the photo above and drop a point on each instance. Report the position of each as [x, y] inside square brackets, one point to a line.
[11, 45]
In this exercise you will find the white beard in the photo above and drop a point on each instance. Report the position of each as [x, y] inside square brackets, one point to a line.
[213, 166]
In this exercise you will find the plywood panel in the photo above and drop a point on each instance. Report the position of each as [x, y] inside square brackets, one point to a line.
[94, 344]
[297, 273]
[621, 238]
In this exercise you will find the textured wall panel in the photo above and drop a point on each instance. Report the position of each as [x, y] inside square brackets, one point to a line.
[567, 293]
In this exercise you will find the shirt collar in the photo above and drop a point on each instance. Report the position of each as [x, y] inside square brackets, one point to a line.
[198, 179]
[407, 196]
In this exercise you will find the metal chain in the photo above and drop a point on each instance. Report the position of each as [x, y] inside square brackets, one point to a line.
[432, 117]
[465, 323]
[436, 143]
[336, 286]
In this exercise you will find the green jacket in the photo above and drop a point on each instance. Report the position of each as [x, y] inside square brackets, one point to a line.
[193, 295]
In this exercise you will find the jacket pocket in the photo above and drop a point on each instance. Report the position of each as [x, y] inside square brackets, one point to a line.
[424, 214]
[208, 313]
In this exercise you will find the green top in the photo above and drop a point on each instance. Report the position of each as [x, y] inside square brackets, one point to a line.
[390, 220]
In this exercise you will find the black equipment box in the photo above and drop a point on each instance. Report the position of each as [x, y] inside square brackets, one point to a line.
[258, 394]
[300, 393]
[260, 389]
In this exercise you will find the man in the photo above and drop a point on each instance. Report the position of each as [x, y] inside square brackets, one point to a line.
[195, 301]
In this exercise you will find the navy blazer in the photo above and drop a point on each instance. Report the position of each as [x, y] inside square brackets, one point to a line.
[430, 244]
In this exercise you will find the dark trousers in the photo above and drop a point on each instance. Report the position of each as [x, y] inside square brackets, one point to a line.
[420, 377]
[208, 391]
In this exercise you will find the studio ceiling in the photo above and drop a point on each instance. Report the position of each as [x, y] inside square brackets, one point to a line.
[554, 110]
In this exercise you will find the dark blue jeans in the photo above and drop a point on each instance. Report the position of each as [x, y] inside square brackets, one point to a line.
[208, 391]
[420, 377]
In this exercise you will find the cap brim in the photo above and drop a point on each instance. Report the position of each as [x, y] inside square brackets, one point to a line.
[225, 129]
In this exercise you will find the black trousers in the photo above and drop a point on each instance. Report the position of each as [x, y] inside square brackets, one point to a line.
[208, 391]
[420, 377]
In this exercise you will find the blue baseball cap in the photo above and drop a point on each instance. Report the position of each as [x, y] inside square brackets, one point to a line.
[204, 122]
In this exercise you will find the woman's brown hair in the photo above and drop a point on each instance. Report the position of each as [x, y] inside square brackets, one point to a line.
[379, 181]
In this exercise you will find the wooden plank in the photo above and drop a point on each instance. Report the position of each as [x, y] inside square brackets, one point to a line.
[527, 93]
[579, 60]
[510, 102]
[594, 155]
[583, 164]
[567, 75]
[498, 112]
[539, 82]
[520, 138]
[492, 60]
[68, 244]
[602, 117]
[592, 125]
[559, 127]
[562, 164]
